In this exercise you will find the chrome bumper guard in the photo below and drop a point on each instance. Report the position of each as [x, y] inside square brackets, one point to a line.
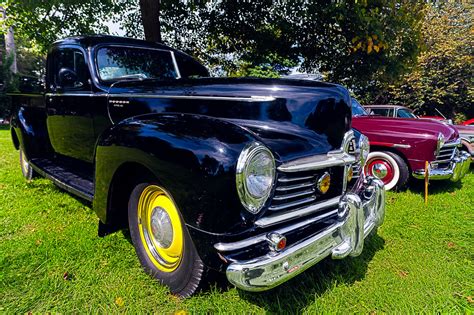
[359, 212]
[456, 170]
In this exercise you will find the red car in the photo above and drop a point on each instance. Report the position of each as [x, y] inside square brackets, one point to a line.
[466, 132]
[399, 148]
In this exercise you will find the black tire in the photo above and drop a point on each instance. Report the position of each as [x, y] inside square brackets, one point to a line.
[401, 172]
[185, 279]
[26, 169]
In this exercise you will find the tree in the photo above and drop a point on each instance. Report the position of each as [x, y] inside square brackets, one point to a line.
[44, 22]
[362, 44]
[444, 74]
[150, 13]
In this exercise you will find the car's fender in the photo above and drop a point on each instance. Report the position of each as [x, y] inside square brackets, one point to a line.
[192, 156]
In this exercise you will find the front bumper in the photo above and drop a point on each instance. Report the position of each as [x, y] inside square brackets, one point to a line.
[457, 169]
[359, 212]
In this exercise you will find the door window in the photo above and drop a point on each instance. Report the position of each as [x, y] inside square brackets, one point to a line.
[70, 70]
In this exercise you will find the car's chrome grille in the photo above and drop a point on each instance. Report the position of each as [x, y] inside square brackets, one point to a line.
[299, 189]
[445, 154]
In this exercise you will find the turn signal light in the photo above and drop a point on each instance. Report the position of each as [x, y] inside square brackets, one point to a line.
[276, 241]
[350, 173]
[324, 183]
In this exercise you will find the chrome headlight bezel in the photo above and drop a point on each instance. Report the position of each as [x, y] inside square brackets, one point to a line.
[439, 143]
[249, 155]
[364, 149]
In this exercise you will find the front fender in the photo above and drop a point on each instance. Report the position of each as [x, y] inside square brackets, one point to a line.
[192, 156]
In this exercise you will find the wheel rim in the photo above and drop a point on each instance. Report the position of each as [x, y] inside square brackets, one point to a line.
[381, 169]
[160, 228]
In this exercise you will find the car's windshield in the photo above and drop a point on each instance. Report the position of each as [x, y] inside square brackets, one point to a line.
[117, 63]
[357, 109]
[405, 113]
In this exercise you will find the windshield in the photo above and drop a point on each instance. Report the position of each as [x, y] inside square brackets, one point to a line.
[117, 63]
[405, 113]
[357, 109]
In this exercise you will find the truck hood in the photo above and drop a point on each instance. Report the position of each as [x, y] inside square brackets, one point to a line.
[303, 116]
[404, 128]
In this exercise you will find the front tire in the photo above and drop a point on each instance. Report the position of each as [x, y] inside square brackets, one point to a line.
[26, 169]
[161, 240]
[388, 167]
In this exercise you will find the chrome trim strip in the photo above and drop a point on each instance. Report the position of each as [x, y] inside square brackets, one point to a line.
[226, 247]
[178, 73]
[294, 179]
[199, 97]
[291, 204]
[451, 144]
[296, 186]
[278, 218]
[77, 94]
[333, 158]
[402, 146]
[25, 94]
[253, 98]
[294, 195]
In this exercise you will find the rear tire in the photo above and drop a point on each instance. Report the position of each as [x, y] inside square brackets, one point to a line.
[26, 169]
[388, 167]
[161, 240]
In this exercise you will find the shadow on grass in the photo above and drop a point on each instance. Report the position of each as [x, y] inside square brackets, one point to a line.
[299, 292]
[296, 294]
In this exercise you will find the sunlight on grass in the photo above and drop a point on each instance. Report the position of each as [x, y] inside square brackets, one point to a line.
[52, 260]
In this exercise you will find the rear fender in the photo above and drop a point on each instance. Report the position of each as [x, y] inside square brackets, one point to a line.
[191, 156]
[29, 132]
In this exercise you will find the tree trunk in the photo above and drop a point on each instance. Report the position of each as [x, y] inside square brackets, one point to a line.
[10, 49]
[150, 11]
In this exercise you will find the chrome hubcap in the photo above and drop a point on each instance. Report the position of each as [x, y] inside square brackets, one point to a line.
[379, 170]
[161, 227]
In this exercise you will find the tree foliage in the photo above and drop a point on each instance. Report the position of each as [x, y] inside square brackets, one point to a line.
[444, 74]
[43, 22]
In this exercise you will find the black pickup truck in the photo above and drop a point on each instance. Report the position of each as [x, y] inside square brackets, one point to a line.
[257, 178]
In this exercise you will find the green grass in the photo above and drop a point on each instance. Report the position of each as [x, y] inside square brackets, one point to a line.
[51, 259]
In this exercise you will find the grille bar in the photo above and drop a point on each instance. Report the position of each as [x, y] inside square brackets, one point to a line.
[294, 195]
[297, 186]
[291, 204]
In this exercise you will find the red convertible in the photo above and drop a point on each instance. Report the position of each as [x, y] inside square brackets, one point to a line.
[401, 146]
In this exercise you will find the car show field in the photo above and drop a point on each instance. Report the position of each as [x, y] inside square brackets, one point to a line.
[52, 260]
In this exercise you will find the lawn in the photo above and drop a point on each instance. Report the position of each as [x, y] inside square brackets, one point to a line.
[52, 260]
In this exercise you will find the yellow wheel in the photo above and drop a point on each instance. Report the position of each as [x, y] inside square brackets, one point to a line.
[161, 240]
[160, 228]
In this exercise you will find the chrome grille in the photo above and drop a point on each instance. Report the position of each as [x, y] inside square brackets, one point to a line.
[298, 189]
[446, 153]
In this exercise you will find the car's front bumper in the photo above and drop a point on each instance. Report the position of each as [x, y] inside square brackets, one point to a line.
[359, 212]
[456, 170]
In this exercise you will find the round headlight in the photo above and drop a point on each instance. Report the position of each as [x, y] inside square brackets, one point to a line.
[364, 148]
[255, 176]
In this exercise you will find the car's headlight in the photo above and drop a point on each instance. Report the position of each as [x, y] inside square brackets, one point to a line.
[254, 176]
[440, 143]
[364, 148]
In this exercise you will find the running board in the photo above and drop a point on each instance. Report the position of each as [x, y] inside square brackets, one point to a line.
[76, 183]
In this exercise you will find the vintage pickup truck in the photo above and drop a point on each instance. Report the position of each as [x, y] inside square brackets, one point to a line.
[251, 177]
[400, 147]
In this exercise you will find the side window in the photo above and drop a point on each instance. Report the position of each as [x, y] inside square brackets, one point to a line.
[70, 70]
[380, 111]
[190, 68]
